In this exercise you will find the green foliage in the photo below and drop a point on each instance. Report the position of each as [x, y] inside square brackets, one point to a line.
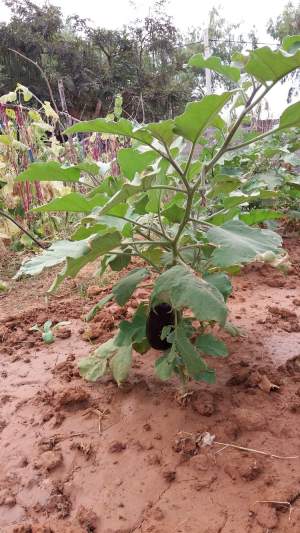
[214, 63]
[182, 289]
[124, 289]
[191, 215]
[238, 243]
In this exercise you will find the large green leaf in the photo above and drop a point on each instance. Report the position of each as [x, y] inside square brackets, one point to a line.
[210, 345]
[73, 203]
[291, 43]
[214, 63]
[127, 285]
[290, 118]
[100, 125]
[174, 213]
[163, 131]
[268, 65]
[199, 115]
[90, 249]
[132, 161]
[183, 289]
[55, 255]
[256, 216]
[238, 243]
[51, 171]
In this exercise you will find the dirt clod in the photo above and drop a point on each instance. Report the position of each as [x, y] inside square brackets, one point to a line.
[117, 447]
[49, 460]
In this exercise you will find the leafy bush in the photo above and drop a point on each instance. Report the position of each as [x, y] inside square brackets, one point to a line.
[182, 204]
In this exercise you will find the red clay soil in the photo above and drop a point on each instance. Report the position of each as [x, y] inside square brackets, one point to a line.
[80, 457]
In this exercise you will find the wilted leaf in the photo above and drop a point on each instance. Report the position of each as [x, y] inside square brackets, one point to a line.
[120, 363]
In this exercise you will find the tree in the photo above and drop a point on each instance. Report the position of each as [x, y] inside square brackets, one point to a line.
[287, 23]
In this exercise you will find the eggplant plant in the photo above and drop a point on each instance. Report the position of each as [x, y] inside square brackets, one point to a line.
[178, 206]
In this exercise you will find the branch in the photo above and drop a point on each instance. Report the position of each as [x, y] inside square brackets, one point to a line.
[167, 188]
[42, 73]
[258, 138]
[41, 245]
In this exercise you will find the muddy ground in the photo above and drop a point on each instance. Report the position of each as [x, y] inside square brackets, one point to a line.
[80, 457]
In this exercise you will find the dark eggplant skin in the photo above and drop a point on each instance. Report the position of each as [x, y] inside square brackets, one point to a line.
[159, 316]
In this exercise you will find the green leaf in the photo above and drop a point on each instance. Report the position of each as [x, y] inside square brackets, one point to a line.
[51, 171]
[221, 281]
[154, 254]
[54, 255]
[120, 363]
[233, 330]
[209, 376]
[256, 216]
[92, 313]
[199, 115]
[72, 203]
[214, 63]
[223, 187]
[87, 251]
[127, 285]
[192, 360]
[268, 65]
[238, 243]
[139, 184]
[210, 345]
[163, 130]
[134, 161]
[92, 368]
[291, 43]
[174, 213]
[221, 218]
[290, 118]
[164, 365]
[119, 261]
[100, 125]
[183, 289]
[134, 331]
[48, 336]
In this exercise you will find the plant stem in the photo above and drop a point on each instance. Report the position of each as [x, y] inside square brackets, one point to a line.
[9, 217]
[42, 73]
[160, 220]
[167, 188]
[258, 138]
[143, 226]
